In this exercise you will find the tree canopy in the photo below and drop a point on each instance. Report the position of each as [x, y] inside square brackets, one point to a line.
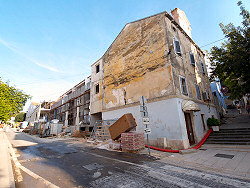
[12, 100]
[20, 117]
[230, 62]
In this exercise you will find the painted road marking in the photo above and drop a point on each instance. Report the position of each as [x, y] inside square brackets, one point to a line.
[29, 172]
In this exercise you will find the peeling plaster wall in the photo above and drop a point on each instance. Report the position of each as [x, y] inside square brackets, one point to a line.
[133, 65]
[181, 65]
[96, 78]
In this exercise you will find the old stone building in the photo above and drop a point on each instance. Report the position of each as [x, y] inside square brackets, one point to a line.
[155, 57]
[72, 108]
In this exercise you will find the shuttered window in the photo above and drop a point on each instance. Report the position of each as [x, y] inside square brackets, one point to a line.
[203, 68]
[183, 85]
[198, 93]
[177, 46]
[191, 55]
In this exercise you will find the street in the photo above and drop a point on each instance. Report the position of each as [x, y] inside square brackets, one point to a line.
[68, 163]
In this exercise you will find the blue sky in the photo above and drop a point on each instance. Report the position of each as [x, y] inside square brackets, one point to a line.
[47, 46]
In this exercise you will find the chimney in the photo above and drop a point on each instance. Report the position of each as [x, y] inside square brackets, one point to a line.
[180, 17]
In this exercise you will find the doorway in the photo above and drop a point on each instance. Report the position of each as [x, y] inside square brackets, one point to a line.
[189, 126]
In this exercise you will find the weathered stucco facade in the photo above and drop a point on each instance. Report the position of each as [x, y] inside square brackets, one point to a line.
[154, 57]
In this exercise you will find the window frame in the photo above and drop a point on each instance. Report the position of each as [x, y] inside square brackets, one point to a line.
[175, 49]
[192, 54]
[202, 68]
[199, 91]
[181, 86]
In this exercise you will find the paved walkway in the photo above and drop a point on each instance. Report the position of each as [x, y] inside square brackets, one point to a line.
[230, 160]
[6, 173]
[235, 121]
[234, 160]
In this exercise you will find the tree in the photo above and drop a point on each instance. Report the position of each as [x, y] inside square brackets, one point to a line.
[20, 117]
[12, 100]
[230, 62]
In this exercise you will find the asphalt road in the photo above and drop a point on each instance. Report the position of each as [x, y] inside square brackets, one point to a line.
[67, 163]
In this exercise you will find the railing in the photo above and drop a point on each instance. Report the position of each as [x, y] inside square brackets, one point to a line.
[100, 130]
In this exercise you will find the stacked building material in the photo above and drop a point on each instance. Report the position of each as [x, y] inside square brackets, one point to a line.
[123, 124]
[133, 140]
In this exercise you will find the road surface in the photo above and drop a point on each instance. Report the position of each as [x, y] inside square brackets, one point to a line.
[67, 163]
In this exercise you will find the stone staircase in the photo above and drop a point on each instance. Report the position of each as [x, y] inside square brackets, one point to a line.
[239, 136]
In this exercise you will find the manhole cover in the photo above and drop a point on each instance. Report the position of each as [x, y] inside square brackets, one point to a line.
[224, 156]
[92, 166]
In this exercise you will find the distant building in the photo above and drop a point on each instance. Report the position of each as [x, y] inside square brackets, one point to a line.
[218, 96]
[155, 57]
[72, 108]
[38, 112]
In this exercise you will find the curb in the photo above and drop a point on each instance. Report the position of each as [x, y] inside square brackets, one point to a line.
[10, 170]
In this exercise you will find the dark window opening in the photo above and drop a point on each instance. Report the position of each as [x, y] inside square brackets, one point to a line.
[183, 86]
[202, 68]
[97, 88]
[97, 68]
[91, 129]
[82, 128]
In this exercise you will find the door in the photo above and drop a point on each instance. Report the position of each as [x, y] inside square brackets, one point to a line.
[189, 128]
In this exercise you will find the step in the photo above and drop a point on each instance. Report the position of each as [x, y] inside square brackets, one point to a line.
[230, 139]
[229, 136]
[228, 143]
[221, 132]
[233, 131]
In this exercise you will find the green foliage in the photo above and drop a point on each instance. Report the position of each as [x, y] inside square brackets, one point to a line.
[213, 122]
[230, 62]
[20, 117]
[12, 100]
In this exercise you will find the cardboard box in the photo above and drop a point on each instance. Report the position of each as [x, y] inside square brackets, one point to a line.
[124, 124]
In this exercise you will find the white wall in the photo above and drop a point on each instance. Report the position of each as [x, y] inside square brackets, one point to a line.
[95, 101]
[165, 119]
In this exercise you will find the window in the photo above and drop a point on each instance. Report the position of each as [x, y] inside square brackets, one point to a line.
[198, 93]
[97, 89]
[191, 55]
[97, 68]
[203, 68]
[183, 86]
[203, 121]
[177, 46]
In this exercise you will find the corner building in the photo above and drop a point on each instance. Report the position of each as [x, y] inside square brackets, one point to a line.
[155, 57]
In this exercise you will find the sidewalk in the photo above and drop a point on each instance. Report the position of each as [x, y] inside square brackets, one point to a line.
[6, 173]
[233, 160]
